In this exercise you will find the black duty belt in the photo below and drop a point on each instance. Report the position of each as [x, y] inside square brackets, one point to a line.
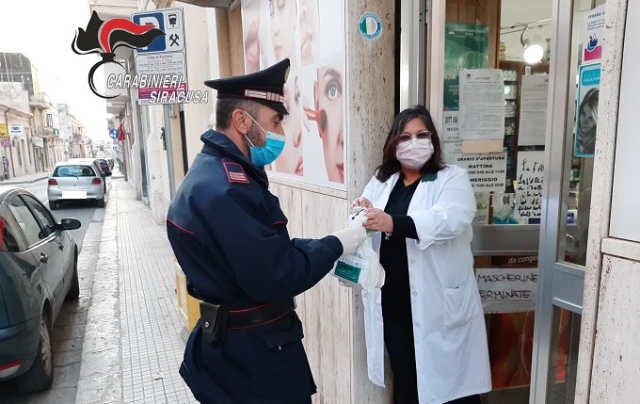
[217, 319]
[259, 315]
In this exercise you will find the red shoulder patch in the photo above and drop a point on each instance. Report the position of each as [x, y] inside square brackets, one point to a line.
[235, 173]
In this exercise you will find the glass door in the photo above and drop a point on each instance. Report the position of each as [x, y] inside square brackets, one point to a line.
[578, 28]
[530, 163]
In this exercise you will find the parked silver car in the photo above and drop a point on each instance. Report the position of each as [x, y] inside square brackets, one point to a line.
[72, 180]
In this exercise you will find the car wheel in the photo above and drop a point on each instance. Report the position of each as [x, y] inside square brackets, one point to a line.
[101, 203]
[53, 205]
[40, 376]
[74, 292]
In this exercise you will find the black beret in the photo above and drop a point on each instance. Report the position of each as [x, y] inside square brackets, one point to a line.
[264, 87]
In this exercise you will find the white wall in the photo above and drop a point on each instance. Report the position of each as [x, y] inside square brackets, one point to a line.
[625, 215]
[607, 362]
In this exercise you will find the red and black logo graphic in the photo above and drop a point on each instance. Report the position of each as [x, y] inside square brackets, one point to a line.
[104, 37]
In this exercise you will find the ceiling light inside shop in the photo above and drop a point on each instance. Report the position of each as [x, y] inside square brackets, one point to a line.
[533, 54]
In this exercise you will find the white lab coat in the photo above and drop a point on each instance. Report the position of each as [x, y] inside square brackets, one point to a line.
[452, 358]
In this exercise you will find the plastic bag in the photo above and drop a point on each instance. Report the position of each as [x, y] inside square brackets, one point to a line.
[362, 268]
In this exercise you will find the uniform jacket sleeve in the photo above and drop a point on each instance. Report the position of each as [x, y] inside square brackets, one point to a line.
[267, 263]
[450, 215]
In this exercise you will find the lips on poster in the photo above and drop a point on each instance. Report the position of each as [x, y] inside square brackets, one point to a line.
[311, 34]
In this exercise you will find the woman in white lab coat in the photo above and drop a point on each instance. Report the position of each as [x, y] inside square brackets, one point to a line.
[428, 314]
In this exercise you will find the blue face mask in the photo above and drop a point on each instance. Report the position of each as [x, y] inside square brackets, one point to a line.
[267, 154]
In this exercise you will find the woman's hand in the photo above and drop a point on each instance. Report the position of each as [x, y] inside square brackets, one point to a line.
[362, 202]
[378, 220]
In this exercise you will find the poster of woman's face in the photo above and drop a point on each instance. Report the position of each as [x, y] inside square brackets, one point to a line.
[587, 113]
[283, 16]
[251, 32]
[328, 95]
[311, 34]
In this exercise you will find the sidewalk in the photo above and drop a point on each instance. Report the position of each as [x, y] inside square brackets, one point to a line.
[25, 179]
[134, 339]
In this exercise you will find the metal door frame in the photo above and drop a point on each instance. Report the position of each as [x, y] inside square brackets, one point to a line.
[560, 284]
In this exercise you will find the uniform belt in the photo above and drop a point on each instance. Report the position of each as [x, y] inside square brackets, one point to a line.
[259, 315]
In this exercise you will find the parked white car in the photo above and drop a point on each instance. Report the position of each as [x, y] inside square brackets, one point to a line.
[73, 181]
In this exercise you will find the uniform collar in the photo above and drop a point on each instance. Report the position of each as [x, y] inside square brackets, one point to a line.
[219, 144]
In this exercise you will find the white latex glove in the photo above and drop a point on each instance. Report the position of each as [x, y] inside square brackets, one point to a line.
[351, 238]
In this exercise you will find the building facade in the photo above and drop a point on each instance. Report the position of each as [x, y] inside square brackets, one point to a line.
[540, 93]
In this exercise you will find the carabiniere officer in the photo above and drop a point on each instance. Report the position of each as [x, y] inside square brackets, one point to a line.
[230, 238]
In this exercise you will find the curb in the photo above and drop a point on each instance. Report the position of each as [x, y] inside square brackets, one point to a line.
[100, 380]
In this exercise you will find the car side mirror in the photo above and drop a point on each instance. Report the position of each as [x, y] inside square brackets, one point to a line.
[70, 224]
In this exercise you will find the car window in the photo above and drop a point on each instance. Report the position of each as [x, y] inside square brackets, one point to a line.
[42, 214]
[74, 171]
[25, 219]
[9, 240]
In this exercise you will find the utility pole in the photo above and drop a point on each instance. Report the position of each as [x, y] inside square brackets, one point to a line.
[167, 138]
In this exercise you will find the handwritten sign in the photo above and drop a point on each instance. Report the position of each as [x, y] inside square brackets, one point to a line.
[487, 172]
[529, 185]
[482, 208]
[507, 290]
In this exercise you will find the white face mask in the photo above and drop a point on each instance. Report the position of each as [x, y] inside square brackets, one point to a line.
[415, 153]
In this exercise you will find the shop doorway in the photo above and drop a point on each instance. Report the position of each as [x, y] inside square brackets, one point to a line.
[515, 85]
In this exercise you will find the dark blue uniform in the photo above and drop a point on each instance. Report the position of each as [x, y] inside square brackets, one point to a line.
[230, 238]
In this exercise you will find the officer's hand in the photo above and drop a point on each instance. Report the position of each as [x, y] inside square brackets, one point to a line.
[351, 238]
[362, 202]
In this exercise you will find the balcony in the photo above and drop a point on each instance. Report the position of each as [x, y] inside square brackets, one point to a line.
[39, 101]
[47, 132]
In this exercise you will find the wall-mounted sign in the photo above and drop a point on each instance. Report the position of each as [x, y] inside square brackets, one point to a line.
[16, 130]
[37, 141]
[3, 130]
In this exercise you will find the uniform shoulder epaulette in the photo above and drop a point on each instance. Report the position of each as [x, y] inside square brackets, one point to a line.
[235, 172]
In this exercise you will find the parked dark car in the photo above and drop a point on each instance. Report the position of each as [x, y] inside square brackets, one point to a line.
[38, 272]
[104, 166]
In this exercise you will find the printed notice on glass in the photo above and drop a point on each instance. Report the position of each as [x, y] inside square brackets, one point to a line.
[507, 290]
[487, 172]
[533, 110]
[481, 104]
[529, 185]
[451, 136]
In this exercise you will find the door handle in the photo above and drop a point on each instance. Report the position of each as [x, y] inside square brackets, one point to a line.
[61, 246]
[44, 258]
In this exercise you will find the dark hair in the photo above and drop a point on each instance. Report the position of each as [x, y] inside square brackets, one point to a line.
[226, 106]
[390, 164]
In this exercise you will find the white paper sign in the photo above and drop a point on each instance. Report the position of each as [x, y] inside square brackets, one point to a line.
[530, 184]
[481, 104]
[487, 172]
[452, 143]
[482, 208]
[593, 32]
[507, 290]
[533, 110]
